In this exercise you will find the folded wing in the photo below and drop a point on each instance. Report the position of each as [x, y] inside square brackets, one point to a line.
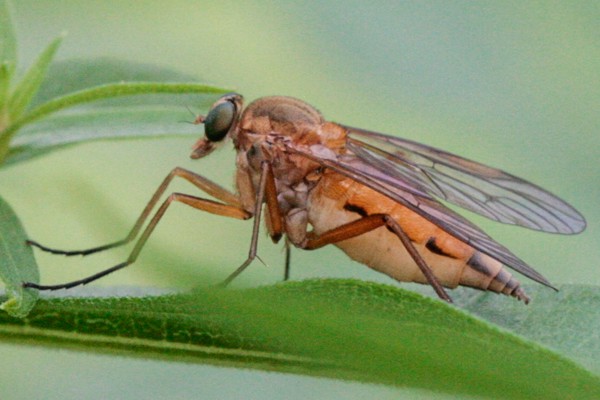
[487, 191]
[414, 175]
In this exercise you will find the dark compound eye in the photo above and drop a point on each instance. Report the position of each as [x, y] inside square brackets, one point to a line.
[218, 121]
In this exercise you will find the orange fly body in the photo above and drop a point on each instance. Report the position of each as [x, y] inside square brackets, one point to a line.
[374, 196]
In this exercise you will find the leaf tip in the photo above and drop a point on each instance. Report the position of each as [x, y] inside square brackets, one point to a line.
[19, 302]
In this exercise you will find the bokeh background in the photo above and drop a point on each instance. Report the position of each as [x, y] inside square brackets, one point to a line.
[512, 84]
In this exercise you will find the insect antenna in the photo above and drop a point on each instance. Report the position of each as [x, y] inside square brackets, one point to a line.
[198, 119]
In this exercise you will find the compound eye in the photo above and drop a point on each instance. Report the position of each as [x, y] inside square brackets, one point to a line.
[219, 120]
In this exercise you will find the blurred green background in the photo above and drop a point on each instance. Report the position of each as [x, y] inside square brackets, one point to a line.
[512, 84]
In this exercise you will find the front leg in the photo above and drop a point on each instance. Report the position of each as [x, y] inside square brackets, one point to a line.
[198, 203]
[229, 206]
[199, 181]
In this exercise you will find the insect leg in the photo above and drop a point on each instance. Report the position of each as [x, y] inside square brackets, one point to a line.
[198, 203]
[288, 260]
[369, 223]
[199, 181]
[439, 290]
[266, 193]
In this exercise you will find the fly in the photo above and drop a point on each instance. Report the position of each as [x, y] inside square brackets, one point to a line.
[374, 196]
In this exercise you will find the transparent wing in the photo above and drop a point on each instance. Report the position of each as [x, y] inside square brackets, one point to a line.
[487, 191]
[419, 201]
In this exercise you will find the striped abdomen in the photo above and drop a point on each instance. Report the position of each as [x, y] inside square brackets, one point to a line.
[337, 200]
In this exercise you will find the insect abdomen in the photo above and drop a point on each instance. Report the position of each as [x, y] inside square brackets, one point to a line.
[337, 200]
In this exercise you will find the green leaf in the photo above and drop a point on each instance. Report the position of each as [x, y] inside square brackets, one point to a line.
[4, 87]
[17, 264]
[66, 112]
[73, 75]
[110, 91]
[97, 123]
[331, 328]
[31, 81]
[567, 321]
[8, 41]
[8, 58]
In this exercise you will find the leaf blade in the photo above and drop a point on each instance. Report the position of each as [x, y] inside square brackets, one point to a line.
[8, 41]
[138, 88]
[17, 264]
[8, 62]
[25, 91]
[73, 75]
[567, 322]
[330, 328]
[93, 124]
[110, 91]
